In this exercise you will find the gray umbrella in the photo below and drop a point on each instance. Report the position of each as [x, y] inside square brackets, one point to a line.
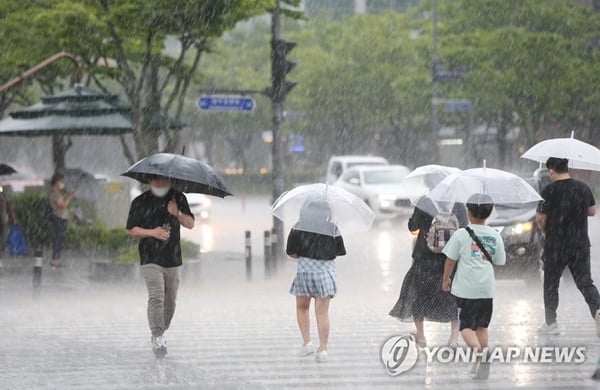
[186, 174]
[83, 182]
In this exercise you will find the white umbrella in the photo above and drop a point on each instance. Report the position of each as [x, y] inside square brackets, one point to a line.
[503, 187]
[581, 155]
[423, 179]
[324, 209]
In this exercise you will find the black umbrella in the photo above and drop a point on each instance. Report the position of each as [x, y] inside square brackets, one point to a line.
[6, 169]
[186, 174]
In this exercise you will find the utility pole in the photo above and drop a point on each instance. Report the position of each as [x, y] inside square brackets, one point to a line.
[435, 65]
[278, 91]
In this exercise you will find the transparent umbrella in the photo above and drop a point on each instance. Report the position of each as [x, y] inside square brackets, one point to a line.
[423, 179]
[581, 155]
[503, 187]
[323, 209]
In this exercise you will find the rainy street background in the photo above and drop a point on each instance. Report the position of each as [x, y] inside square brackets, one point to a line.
[274, 94]
[228, 333]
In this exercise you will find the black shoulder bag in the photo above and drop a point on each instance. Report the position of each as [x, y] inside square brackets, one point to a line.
[486, 254]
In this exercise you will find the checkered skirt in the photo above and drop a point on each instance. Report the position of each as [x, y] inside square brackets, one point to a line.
[314, 278]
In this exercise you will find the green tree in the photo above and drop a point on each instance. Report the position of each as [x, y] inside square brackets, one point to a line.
[365, 81]
[123, 42]
[530, 62]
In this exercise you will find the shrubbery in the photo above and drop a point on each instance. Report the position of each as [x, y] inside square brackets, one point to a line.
[96, 238]
[29, 208]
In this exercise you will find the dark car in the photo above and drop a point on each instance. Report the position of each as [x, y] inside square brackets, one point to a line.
[523, 240]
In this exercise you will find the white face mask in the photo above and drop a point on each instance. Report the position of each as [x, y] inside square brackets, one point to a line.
[160, 191]
[61, 186]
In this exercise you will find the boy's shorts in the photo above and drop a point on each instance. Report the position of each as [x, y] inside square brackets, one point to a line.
[474, 313]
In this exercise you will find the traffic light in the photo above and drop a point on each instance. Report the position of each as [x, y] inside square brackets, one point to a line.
[280, 67]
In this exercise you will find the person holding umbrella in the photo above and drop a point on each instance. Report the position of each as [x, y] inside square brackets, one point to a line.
[155, 218]
[315, 241]
[59, 215]
[562, 216]
[474, 251]
[315, 277]
[421, 296]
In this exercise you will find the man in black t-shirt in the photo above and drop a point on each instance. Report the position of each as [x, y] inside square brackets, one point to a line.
[155, 218]
[562, 216]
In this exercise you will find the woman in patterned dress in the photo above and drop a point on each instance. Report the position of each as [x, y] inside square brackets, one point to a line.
[421, 296]
[315, 277]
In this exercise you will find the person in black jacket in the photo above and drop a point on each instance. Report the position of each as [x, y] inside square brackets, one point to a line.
[421, 296]
[315, 242]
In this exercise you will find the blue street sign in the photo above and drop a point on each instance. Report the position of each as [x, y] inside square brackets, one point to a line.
[297, 143]
[458, 106]
[226, 103]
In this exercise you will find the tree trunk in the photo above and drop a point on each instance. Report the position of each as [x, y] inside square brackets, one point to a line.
[59, 151]
[149, 135]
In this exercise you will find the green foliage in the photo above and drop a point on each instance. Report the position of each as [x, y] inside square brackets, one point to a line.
[129, 36]
[98, 239]
[29, 208]
[532, 62]
[354, 82]
[364, 82]
[189, 251]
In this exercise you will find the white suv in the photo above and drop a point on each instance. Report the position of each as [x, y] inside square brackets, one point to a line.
[340, 164]
[380, 187]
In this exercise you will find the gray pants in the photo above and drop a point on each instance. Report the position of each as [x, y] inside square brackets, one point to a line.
[162, 284]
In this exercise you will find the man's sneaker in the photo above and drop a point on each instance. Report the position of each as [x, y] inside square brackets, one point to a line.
[322, 356]
[306, 349]
[551, 329]
[597, 319]
[159, 346]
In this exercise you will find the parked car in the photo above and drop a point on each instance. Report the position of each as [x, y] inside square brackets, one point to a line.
[199, 205]
[380, 187]
[340, 164]
[20, 178]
